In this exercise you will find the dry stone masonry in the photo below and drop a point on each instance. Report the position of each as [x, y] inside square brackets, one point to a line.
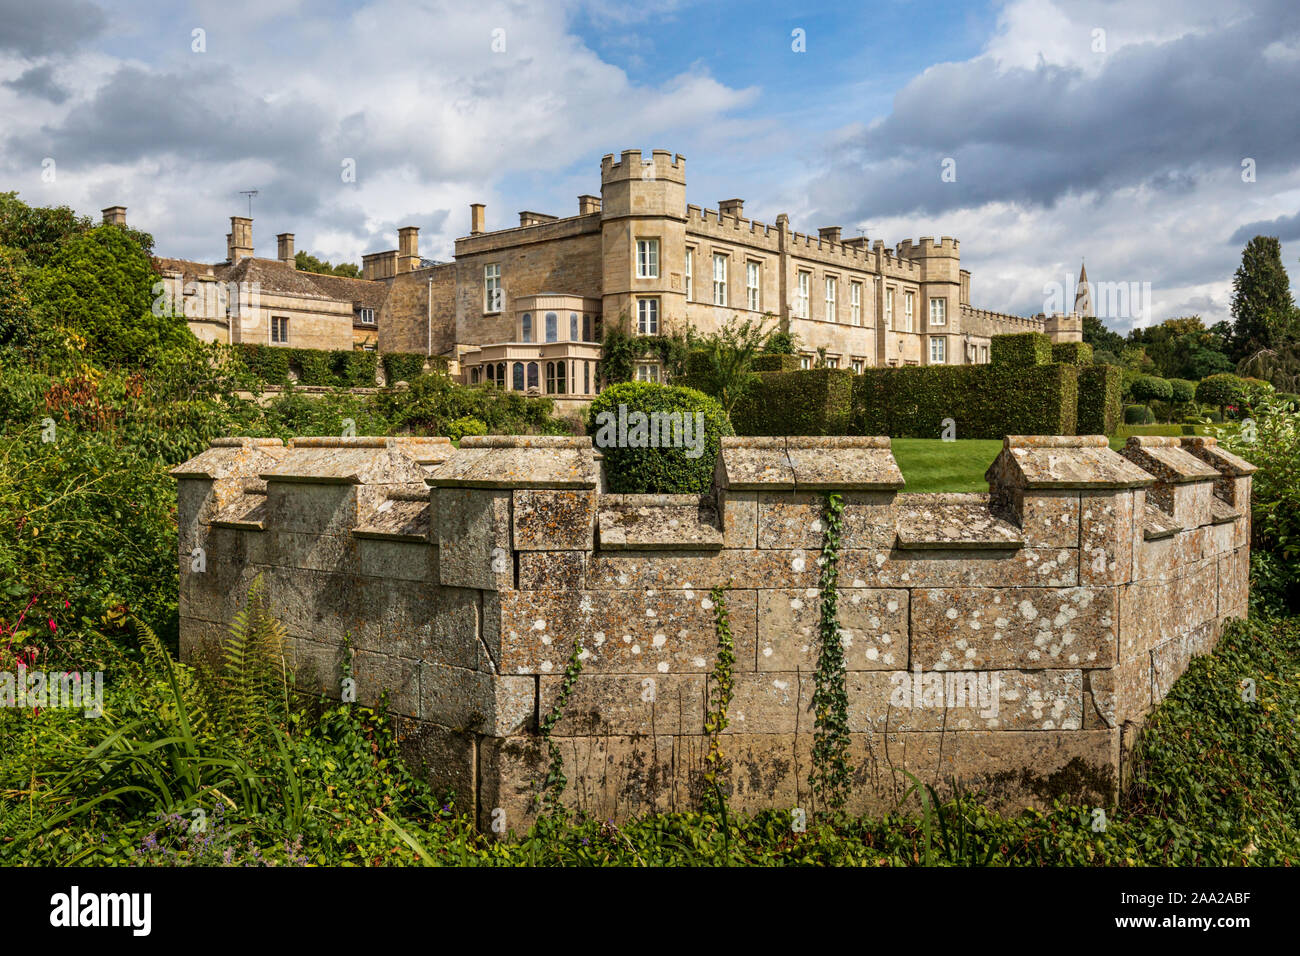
[1009, 641]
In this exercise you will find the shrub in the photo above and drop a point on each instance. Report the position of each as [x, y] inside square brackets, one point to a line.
[1149, 388]
[776, 362]
[355, 368]
[402, 366]
[781, 343]
[1021, 349]
[314, 367]
[1287, 398]
[1099, 406]
[1138, 415]
[985, 401]
[460, 427]
[1183, 391]
[645, 469]
[1072, 353]
[1221, 390]
[269, 363]
[812, 402]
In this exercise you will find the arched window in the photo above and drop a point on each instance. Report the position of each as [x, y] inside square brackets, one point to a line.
[474, 374]
[501, 375]
[552, 332]
[550, 378]
[586, 328]
[532, 375]
[573, 326]
[519, 376]
[526, 327]
[491, 374]
[561, 379]
[586, 378]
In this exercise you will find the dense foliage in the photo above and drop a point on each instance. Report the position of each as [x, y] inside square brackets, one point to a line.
[632, 465]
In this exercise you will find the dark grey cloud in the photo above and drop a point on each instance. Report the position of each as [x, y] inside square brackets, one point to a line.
[33, 28]
[1285, 228]
[39, 82]
[1160, 115]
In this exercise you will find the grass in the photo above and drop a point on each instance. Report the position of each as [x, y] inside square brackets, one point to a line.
[929, 464]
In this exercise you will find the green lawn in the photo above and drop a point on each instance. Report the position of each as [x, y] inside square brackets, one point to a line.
[930, 464]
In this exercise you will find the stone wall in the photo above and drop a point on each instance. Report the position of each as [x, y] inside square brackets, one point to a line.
[1009, 641]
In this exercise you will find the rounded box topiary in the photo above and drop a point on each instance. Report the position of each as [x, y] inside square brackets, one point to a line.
[1138, 415]
[657, 439]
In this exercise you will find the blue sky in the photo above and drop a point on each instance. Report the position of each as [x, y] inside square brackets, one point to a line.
[1127, 153]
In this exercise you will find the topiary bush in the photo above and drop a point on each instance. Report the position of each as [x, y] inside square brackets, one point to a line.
[1149, 388]
[269, 363]
[1020, 349]
[1138, 415]
[1184, 391]
[1072, 353]
[315, 367]
[1221, 390]
[627, 417]
[1099, 407]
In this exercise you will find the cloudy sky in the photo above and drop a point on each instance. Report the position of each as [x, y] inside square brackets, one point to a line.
[1111, 131]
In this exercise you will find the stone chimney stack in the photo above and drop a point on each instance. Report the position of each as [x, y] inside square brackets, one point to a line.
[731, 208]
[829, 232]
[588, 204]
[284, 248]
[240, 239]
[477, 215]
[408, 248]
[115, 216]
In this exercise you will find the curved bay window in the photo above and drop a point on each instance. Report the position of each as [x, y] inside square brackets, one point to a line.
[518, 374]
[501, 375]
[552, 329]
[526, 327]
[573, 326]
[532, 375]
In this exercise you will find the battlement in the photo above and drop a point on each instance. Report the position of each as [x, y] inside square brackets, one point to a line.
[455, 582]
[990, 322]
[662, 165]
[927, 247]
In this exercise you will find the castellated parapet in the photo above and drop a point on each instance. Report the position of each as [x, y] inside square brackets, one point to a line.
[1009, 641]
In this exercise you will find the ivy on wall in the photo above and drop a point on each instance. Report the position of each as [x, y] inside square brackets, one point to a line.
[831, 772]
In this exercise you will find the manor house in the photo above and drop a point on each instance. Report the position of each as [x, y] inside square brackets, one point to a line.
[525, 307]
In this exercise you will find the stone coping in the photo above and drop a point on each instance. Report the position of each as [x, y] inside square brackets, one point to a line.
[658, 522]
[1207, 449]
[1164, 457]
[1063, 461]
[808, 463]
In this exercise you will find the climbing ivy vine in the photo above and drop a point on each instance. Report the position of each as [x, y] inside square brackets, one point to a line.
[555, 781]
[831, 772]
[720, 691]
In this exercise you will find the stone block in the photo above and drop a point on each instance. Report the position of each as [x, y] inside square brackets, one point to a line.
[1106, 537]
[398, 560]
[444, 757]
[601, 704]
[627, 632]
[384, 674]
[873, 628]
[795, 520]
[960, 701]
[1026, 628]
[554, 520]
[311, 508]
[739, 519]
[1048, 518]
[473, 532]
[487, 704]
[557, 570]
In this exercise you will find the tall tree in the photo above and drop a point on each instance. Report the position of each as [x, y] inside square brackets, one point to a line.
[1101, 338]
[1262, 307]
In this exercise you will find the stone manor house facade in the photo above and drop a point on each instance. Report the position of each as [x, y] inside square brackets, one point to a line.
[525, 307]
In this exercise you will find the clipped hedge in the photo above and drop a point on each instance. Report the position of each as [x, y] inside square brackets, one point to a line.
[1021, 350]
[811, 402]
[775, 363]
[1138, 415]
[268, 363]
[1099, 407]
[984, 401]
[1072, 353]
[404, 366]
[635, 468]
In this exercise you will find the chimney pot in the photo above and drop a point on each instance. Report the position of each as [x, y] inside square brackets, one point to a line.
[284, 249]
[588, 204]
[241, 238]
[115, 216]
[829, 232]
[408, 249]
[476, 218]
